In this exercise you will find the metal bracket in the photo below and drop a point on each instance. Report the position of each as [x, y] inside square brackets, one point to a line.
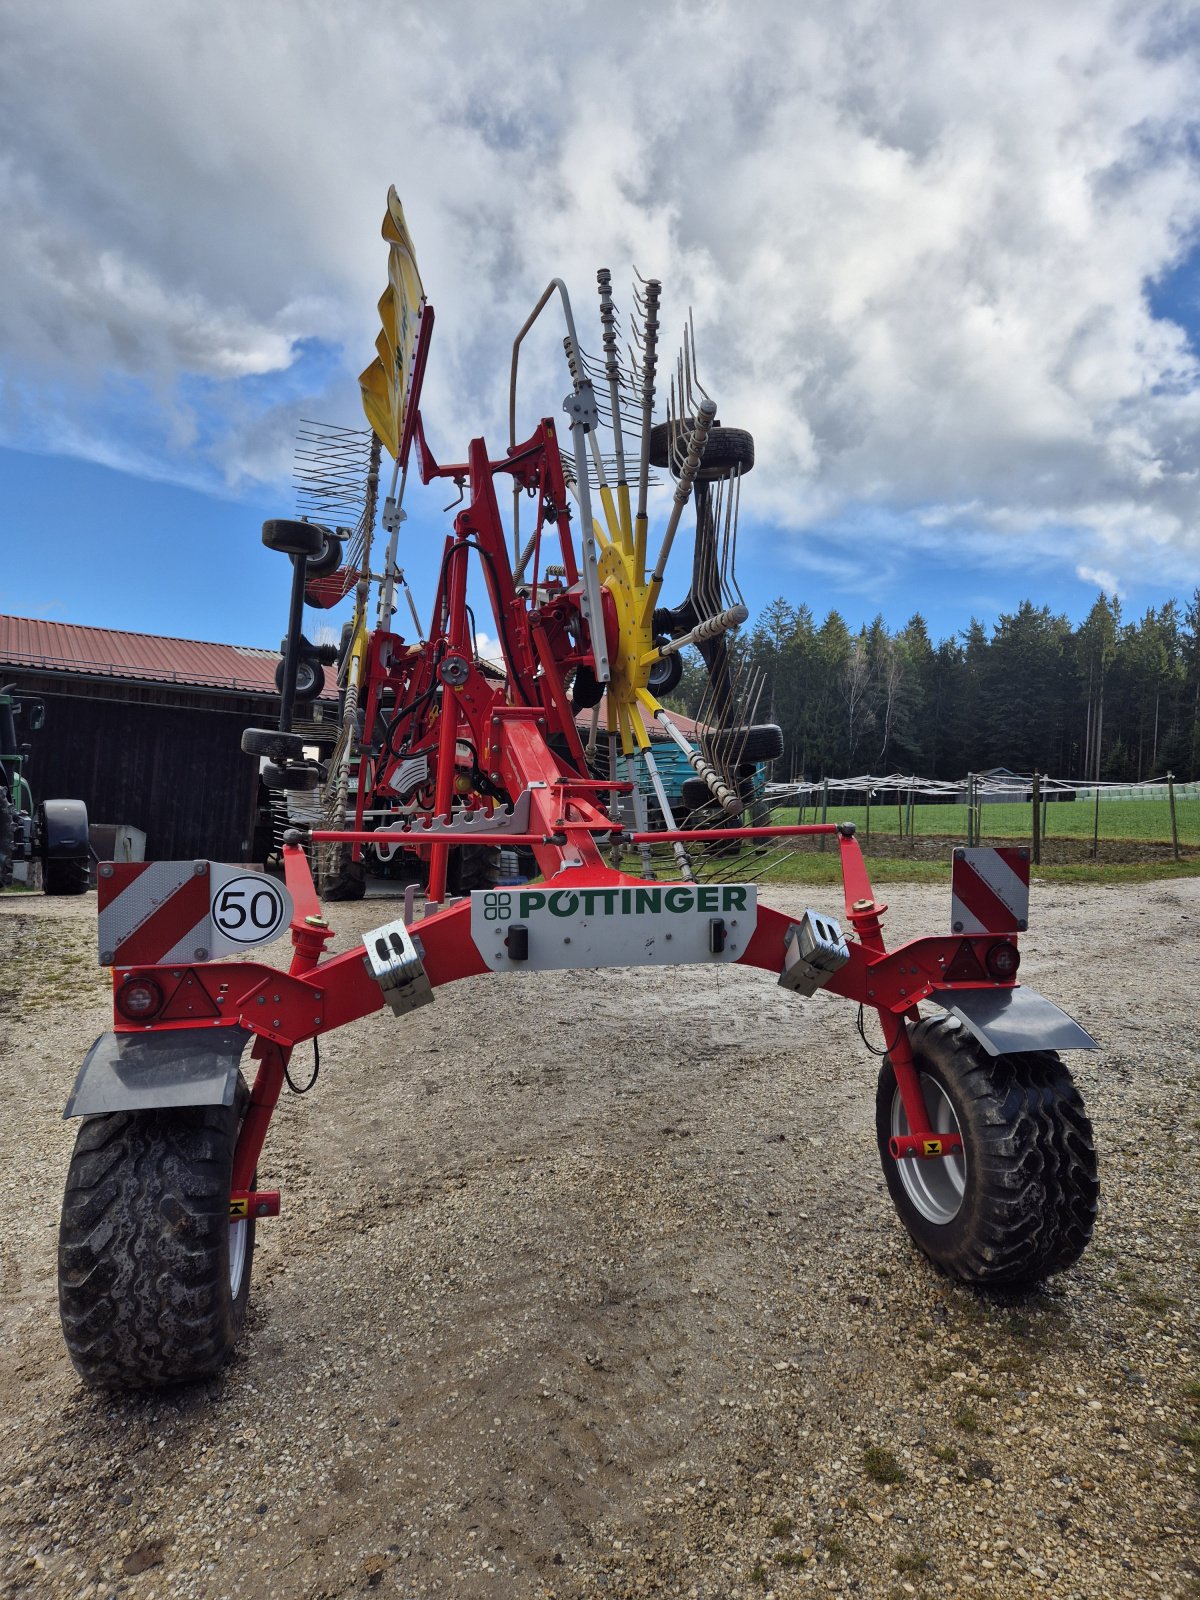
[394, 961]
[504, 819]
[813, 950]
[393, 515]
[581, 407]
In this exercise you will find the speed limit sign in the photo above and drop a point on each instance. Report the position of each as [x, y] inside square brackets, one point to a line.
[154, 913]
[247, 909]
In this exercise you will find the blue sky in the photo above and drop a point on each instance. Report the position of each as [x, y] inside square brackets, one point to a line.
[943, 265]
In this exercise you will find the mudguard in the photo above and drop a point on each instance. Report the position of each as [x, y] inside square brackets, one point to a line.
[1009, 1021]
[62, 830]
[148, 1071]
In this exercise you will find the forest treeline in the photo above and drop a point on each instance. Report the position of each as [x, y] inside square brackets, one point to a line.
[1110, 698]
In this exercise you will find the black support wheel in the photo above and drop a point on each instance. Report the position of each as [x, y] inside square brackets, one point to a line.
[1019, 1202]
[71, 876]
[153, 1277]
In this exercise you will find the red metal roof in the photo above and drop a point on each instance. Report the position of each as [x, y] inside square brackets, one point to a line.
[105, 652]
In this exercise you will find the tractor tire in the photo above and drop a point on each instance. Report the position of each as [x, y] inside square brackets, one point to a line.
[472, 866]
[1020, 1201]
[7, 836]
[761, 741]
[71, 876]
[153, 1278]
[350, 883]
[296, 538]
[725, 451]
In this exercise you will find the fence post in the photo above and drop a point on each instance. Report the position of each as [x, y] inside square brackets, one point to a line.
[1037, 819]
[824, 808]
[1174, 823]
[970, 808]
[909, 818]
[1096, 826]
[868, 843]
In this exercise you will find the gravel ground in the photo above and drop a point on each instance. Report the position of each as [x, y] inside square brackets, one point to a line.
[588, 1285]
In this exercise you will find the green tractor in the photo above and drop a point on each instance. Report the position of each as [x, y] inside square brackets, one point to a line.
[55, 832]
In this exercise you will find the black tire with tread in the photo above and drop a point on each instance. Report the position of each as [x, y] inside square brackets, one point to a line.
[272, 743]
[69, 876]
[7, 834]
[759, 741]
[725, 450]
[294, 538]
[143, 1256]
[472, 866]
[1029, 1205]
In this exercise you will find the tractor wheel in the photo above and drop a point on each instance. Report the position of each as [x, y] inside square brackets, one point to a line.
[725, 450]
[1019, 1202]
[7, 834]
[472, 866]
[66, 877]
[350, 882]
[153, 1278]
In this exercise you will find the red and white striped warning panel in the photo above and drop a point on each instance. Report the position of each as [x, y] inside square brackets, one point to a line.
[156, 913]
[989, 890]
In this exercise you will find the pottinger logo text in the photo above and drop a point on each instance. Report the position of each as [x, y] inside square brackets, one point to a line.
[501, 906]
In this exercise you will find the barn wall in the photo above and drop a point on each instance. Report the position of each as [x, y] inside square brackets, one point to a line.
[174, 770]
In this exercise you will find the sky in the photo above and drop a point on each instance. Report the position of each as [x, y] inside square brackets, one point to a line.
[943, 262]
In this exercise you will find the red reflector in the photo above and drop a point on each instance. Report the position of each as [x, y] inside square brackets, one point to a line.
[966, 966]
[139, 999]
[1003, 959]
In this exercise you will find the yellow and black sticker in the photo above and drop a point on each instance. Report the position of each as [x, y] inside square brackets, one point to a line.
[932, 1147]
[239, 1208]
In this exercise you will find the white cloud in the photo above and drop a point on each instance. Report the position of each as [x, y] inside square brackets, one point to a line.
[916, 238]
[1106, 581]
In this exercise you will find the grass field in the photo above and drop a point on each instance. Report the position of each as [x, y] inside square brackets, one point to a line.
[1147, 821]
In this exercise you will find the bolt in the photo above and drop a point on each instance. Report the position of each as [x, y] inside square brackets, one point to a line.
[106, 870]
[107, 957]
[275, 997]
[199, 869]
[275, 1023]
[262, 999]
[201, 954]
[316, 1022]
[862, 905]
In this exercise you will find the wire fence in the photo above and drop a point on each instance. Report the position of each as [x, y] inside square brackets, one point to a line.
[1059, 819]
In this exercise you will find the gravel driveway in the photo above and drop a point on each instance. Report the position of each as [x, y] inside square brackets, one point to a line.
[588, 1284]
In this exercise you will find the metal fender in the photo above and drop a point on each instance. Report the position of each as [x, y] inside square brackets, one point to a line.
[149, 1071]
[63, 829]
[1009, 1021]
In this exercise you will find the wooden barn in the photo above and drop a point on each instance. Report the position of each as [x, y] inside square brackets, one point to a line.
[146, 731]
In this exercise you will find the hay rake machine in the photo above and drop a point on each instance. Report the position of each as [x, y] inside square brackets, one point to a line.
[985, 1145]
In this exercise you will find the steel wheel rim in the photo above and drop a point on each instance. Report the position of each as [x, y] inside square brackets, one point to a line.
[237, 1255]
[934, 1187]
